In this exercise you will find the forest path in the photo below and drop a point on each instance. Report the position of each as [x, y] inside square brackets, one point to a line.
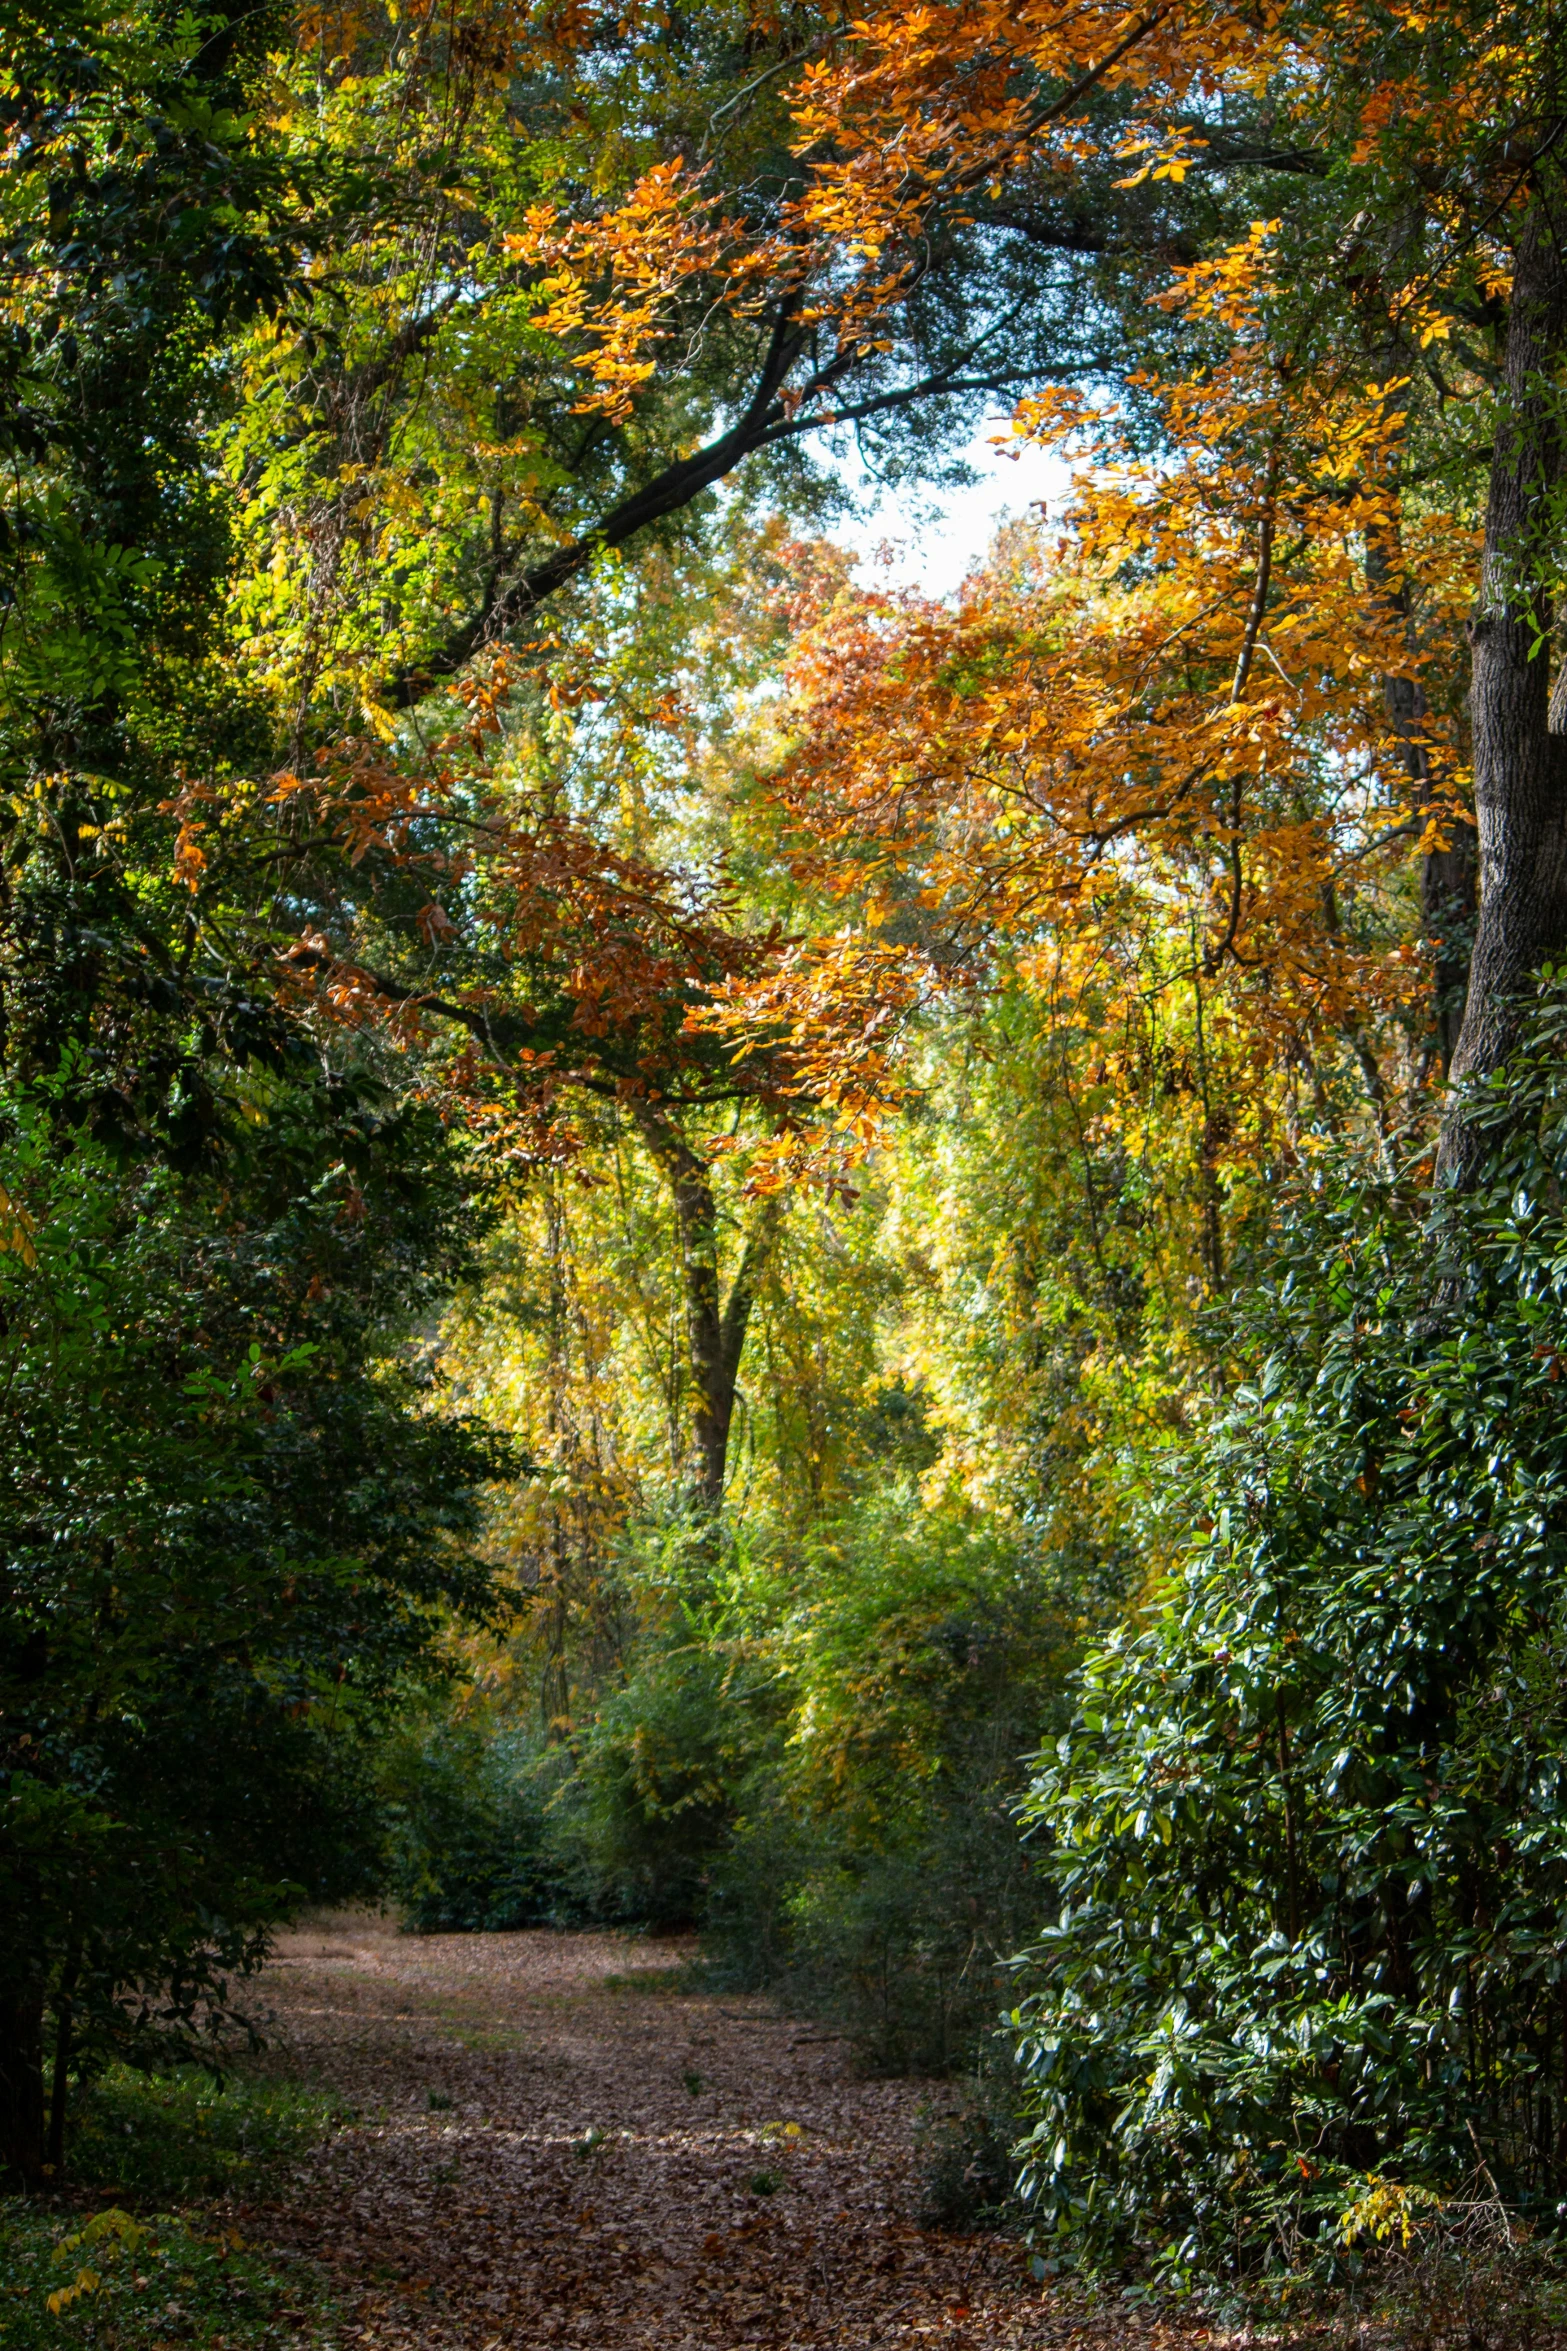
[557, 2143]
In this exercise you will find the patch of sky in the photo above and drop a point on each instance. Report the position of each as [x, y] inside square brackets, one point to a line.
[910, 535]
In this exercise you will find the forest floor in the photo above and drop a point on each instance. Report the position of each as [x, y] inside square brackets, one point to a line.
[556, 2141]
[559, 2142]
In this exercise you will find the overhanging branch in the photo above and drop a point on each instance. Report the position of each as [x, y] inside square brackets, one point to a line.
[768, 420]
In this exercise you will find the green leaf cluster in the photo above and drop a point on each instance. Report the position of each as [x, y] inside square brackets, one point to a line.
[230, 1534]
[1304, 1838]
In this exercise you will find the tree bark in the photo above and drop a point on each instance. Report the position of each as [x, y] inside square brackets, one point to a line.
[715, 1326]
[1520, 763]
[22, 2089]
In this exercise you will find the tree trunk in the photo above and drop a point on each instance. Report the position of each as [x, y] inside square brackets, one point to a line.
[22, 2090]
[555, 1677]
[715, 1327]
[1520, 763]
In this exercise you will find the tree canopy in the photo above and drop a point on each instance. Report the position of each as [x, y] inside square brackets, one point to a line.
[660, 1204]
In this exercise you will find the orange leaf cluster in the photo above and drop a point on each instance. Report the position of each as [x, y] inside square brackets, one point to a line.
[1156, 747]
[593, 958]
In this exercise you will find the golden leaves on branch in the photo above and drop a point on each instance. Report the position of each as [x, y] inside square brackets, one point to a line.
[1153, 750]
[1149, 751]
[647, 249]
[898, 119]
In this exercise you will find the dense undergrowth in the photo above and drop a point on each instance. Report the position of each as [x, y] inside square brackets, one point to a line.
[147, 2243]
[819, 1769]
[1304, 1839]
[1246, 1913]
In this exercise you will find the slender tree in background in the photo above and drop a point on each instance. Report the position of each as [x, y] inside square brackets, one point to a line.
[717, 1316]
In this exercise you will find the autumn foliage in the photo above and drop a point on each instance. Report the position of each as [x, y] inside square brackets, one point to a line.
[1195, 731]
[749, 1190]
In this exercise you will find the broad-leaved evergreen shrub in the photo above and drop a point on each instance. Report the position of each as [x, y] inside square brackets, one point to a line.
[233, 1537]
[1306, 1839]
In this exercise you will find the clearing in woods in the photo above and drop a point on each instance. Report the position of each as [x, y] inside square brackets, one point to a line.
[557, 2143]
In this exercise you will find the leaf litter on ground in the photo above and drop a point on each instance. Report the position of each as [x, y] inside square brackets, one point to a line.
[558, 2141]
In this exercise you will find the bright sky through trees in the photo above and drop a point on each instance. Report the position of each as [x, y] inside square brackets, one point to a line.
[935, 540]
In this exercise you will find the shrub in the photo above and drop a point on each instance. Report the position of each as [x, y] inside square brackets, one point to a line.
[133, 2277]
[472, 1846]
[875, 1872]
[497, 1826]
[233, 1534]
[1305, 1838]
[814, 1757]
[120, 2283]
[659, 1775]
[966, 2158]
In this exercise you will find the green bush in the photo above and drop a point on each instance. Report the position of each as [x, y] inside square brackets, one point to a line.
[1306, 1839]
[119, 2283]
[473, 1846]
[902, 1947]
[158, 2278]
[966, 2158]
[659, 1775]
[875, 1874]
[495, 1826]
[233, 1535]
[814, 1758]
[896, 1937]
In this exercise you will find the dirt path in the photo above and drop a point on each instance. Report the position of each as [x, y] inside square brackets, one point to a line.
[557, 2144]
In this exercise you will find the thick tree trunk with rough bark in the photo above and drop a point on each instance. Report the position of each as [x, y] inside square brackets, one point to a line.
[21, 2090]
[1520, 762]
[715, 1326]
